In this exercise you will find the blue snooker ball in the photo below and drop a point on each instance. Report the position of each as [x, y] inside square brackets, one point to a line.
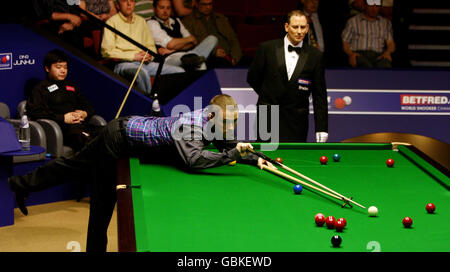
[298, 189]
[336, 157]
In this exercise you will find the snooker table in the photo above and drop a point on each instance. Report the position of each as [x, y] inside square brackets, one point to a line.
[244, 209]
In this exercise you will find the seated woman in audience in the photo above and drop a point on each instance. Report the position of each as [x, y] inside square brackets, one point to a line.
[102, 9]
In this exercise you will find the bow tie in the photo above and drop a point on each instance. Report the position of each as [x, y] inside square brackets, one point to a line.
[296, 49]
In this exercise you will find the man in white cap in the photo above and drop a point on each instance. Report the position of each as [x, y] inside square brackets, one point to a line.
[368, 38]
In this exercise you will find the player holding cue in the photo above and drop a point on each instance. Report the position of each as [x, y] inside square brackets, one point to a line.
[180, 138]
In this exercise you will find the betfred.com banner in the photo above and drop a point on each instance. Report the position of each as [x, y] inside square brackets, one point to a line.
[393, 102]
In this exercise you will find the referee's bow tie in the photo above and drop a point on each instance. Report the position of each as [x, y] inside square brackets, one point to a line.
[296, 49]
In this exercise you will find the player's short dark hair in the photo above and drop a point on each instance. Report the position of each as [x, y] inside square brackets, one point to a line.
[155, 3]
[55, 56]
[294, 13]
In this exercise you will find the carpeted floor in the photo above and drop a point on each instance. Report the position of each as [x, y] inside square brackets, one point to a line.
[54, 227]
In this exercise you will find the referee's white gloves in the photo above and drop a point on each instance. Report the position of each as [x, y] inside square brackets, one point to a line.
[321, 137]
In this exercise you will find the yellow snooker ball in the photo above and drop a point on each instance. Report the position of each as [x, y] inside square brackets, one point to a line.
[232, 163]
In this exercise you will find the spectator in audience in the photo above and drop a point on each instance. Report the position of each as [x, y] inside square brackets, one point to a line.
[315, 33]
[357, 6]
[144, 8]
[130, 56]
[63, 20]
[173, 38]
[203, 21]
[368, 38]
[102, 9]
[183, 7]
[60, 100]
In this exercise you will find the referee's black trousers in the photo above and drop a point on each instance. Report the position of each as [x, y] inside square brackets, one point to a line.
[96, 164]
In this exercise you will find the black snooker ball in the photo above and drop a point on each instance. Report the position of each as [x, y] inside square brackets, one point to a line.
[336, 240]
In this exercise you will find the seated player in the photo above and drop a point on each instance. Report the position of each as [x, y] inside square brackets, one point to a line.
[60, 100]
[182, 138]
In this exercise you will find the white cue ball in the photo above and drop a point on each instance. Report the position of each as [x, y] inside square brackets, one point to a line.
[373, 211]
[347, 100]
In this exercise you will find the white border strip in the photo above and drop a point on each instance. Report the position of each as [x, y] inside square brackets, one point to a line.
[428, 47]
[384, 91]
[350, 90]
[431, 63]
[431, 11]
[369, 112]
[386, 113]
[429, 27]
[236, 89]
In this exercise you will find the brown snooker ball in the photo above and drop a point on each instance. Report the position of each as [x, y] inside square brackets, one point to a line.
[279, 160]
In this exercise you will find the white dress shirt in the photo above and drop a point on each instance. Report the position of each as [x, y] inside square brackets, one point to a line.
[160, 36]
[290, 57]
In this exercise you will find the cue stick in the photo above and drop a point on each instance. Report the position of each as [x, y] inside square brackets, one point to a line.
[303, 176]
[278, 172]
[131, 85]
[123, 187]
[318, 184]
[157, 57]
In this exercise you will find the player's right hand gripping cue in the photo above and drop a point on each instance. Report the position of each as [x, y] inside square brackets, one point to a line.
[243, 149]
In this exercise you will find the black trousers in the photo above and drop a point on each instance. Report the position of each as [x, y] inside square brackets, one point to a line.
[368, 59]
[291, 125]
[96, 164]
[74, 134]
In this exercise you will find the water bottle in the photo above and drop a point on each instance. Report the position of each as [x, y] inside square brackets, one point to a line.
[24, 133]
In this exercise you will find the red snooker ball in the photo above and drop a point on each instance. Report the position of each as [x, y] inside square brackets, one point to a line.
[320, 219]
[339, 225]
[330, 222]
[407, 222]
[343, 221]
[430, 208]
[390, 162]
[323, 160]
[339, 103]
[279, 160]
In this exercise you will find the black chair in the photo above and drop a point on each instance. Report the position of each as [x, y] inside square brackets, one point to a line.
[55, 140]
[37, 135]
